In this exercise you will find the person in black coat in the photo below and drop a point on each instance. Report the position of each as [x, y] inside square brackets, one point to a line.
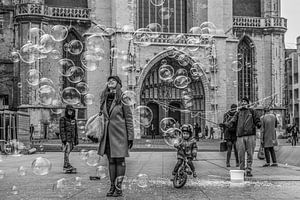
[68, 134]
[230, 136]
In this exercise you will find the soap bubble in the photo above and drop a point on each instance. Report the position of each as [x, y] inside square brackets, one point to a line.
[47, 43]
[77, 74]
[59, 33]
[33, 77]
[166, 72]
[91, 60]
[101, 171]
[236, 66]
[128, 98]
[71, 95]
[157, 2]
[155, 29]
[82, 87]
[75, 47]
[92, 158]
[165, 13]
[55, 54]
[167, 123]
[142, 180]
[182, 81]
[28, 53]
[94, 43]
[41, 166]
[46, 94]
[15, 56]
[208, 28]
[143, 115]
[89, 99]
[46, 81]
[173, 136]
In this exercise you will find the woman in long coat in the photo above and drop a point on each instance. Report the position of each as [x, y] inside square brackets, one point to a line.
[118, 133]
[268, 135]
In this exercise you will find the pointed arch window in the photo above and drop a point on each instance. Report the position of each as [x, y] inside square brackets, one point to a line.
[246, 76]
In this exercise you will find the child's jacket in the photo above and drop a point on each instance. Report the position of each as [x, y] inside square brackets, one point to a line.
[188, 148]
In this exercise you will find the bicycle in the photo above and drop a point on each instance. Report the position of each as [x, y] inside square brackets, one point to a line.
[181, 176]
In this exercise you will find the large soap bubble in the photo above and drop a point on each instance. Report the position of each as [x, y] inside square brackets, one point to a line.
[173, 136]
[82, 87]
[41, 166]
[71, 95]
[33, 77]
[59, 33]
[47, 43]
[182, 82]
[166, 72]
[167, 123]
[75, 47]
[77, 74]
[128, 98]
[47, 94]
[92, 158]
[143, 115]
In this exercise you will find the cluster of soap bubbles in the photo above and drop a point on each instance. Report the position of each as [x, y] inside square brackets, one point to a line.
[42, 45]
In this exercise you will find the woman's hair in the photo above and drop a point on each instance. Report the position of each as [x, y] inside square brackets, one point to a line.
[105, 93]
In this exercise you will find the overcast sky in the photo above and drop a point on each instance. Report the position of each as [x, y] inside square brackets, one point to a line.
[290, 9]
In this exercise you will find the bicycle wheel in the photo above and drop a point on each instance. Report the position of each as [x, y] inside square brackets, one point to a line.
[180, 179]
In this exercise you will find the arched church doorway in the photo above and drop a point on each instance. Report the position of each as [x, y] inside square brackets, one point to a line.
[169, 98]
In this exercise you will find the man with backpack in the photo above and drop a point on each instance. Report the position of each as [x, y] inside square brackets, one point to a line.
[246, 120]
[230, 136]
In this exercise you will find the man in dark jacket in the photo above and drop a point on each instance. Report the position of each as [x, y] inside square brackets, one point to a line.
[68, 135]
[246, 120]
[230, 136]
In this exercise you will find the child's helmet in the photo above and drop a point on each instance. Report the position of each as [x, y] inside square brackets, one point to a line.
[187, 128]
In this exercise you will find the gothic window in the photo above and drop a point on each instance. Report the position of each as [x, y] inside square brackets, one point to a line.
[246, 75]
[75, 58]
[148, 13]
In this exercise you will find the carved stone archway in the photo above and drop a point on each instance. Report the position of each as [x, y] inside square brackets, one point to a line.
[150, 68]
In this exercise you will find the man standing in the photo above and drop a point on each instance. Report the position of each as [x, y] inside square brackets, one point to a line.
[230, 136]
[268, 135]
[246, 120]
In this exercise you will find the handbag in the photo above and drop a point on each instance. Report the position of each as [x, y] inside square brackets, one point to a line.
[261, 153]
[223, 146]
[94, 128]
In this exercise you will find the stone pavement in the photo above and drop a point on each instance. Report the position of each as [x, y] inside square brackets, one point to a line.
[204, 145]
[213, 181]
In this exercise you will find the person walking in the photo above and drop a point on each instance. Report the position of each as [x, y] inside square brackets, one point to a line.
[294, 132]
[68, 135]
[246, 120]
[268, 135]
[118, 133]
[212, 131]
[230, 136]
[206, 131]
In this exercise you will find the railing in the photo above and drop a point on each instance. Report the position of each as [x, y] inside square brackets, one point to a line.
[53, 12]
[174, 39]
[258, 22]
